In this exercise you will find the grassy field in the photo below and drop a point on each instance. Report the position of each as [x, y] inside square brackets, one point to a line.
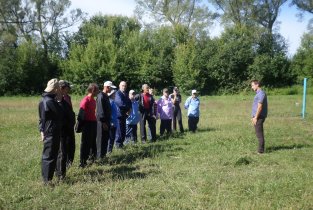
[215, 168]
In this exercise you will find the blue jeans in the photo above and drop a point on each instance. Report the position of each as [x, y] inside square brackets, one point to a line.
[131, 133]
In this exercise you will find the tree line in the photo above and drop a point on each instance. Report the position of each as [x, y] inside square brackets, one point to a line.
[166, 43]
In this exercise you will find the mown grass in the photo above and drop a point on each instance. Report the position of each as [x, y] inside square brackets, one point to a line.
[215, 168]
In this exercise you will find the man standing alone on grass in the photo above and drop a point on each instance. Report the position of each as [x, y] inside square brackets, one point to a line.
[103, 115]
[50, 124]
[192, 104]
[259, 113]
[124, 104]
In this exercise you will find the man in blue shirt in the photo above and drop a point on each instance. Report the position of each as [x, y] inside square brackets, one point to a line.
[259, 113]
[193, 105]
[124, 104]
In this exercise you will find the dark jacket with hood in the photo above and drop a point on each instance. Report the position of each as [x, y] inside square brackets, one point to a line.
[50, 115]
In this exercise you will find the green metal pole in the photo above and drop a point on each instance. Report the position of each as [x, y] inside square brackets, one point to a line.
[304, 98]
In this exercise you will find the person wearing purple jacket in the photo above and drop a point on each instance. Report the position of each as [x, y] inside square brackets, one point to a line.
[165, 109]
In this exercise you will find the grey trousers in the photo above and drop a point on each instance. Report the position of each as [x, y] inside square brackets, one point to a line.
[259, 131]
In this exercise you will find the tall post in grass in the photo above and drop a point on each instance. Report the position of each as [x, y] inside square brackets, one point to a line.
[304, 98]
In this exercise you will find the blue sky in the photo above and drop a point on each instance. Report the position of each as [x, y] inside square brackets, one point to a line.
[290, 27]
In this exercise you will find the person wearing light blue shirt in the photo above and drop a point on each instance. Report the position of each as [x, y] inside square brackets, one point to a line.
[132, 120]
[192, 104]
[259, 113]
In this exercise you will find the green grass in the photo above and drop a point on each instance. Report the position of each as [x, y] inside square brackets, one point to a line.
[215, 168]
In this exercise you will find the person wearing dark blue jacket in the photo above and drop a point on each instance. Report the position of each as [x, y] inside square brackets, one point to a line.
[124, 104]
[50, 125]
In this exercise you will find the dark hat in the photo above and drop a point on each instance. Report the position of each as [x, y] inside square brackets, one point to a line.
[64, 83]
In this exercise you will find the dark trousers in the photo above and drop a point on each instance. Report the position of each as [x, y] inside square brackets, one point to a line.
[121, 137]
[260, 134]
[70, 147]
[131, 133]
[145, 116]
[177, 116]
[88, 142]
[50, 151]
[111, 139]
[192, 123]
[62, 156]
[102, 139]
[153, 120]
[166, 125]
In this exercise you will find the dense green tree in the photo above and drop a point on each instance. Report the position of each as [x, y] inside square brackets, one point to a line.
[273, 71]
[158, 52]
[228, 66]
[302, 63]
[105, 48]
[187, 70]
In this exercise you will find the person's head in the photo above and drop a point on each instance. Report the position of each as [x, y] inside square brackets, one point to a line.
[93, 89]
[151, 91]
[53, 86]
[65, 87]
[131, 95]
[255, 85]
[175, 90]
[194, 93]
[111, 94]
[145, 88]
[123, 86]
[108, 86]
[165, 92]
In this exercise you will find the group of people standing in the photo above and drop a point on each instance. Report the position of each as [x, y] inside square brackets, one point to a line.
[105, 118]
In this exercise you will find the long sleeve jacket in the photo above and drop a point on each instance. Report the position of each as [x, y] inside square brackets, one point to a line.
[123, 103]
[103, 111]
[50, 115]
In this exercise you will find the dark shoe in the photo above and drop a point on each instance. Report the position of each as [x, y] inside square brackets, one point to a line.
[48, 183]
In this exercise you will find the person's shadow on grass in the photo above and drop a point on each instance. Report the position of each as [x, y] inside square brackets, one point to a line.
[286, 147]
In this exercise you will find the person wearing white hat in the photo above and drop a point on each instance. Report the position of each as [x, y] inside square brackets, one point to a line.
[50, 122]
[192, 104]
[103, 114]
